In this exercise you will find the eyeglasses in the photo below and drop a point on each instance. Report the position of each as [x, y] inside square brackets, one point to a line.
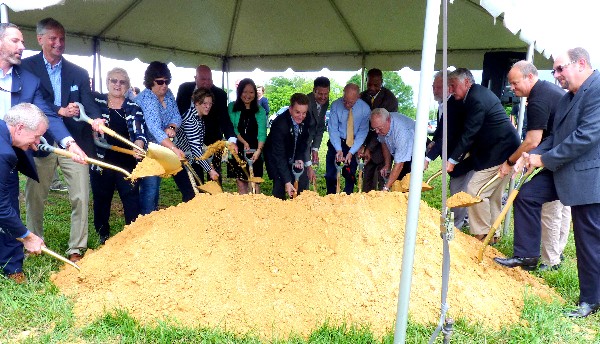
[161, 82]
[560, 68]
[120, 82]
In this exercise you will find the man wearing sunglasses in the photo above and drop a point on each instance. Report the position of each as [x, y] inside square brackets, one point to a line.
[572, 153]
[62, 83]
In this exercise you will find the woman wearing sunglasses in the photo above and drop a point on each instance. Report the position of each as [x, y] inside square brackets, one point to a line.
[162, 119]
[126, 119]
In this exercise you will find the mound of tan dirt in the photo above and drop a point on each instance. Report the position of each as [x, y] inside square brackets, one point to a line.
[256, 263]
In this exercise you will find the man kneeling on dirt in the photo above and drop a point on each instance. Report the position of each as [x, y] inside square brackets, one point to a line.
[21, 129]
[285, 148]
[396, 133]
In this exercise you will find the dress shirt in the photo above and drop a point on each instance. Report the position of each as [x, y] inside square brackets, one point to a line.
[338, 118]
[6, 94]
[54, 72]
[399, 138]
[158, 117]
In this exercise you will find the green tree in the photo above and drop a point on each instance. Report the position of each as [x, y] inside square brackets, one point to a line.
[393, 82]
[279, 90]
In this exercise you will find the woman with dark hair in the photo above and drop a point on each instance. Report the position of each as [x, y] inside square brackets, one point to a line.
[189, 139]
[162, 119]
[126, 119]
[250, 125]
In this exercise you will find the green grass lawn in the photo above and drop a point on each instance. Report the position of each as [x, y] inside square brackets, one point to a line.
[37, 313]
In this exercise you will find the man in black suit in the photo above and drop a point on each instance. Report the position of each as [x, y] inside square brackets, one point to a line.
[217, 122]
[460, 176]
[318, 103]
[489, 138]
[285, 148]
[62, 84]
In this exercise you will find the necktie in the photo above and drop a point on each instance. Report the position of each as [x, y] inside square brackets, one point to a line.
[350, 129]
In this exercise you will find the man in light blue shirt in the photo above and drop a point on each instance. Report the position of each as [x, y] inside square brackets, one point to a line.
[343, 144]
[396, 132]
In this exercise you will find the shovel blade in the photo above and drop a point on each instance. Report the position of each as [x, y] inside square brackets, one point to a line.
[166, 157]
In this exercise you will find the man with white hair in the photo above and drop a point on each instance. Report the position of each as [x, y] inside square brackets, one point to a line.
[21, 129]
[396, 133]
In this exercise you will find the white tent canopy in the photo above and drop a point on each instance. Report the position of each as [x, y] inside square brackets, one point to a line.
[273, 35]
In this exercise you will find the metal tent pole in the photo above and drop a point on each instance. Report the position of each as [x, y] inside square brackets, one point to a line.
[432, 15]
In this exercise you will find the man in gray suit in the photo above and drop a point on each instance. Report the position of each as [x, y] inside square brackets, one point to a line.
[318, 103]
[572, 153]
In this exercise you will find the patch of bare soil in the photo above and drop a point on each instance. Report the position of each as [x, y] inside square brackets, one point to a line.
[256, 263]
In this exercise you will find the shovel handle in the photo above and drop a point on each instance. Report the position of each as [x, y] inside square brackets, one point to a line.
[84, 118]
[497, 223]
[485, 186]
[55, 255]
[435, 175]
[47, 148]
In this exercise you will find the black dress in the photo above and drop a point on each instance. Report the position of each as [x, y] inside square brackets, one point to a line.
[248, 129]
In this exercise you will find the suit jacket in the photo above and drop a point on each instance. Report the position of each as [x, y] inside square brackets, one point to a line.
[26, 89]
[384, 99]
[280, 149]
[315, 121]
[217, 122]
[12, 159]
[456, 121]
[572, 151]
[488, 135]
[75, 87]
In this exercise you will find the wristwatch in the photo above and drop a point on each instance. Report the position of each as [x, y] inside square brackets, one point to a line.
[68, 144]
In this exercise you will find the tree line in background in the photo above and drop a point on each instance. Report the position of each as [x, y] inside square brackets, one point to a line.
[279, 90]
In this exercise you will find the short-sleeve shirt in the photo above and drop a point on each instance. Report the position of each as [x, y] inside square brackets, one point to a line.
[399, 138]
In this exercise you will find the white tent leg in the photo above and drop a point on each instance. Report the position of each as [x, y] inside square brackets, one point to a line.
[4, 13]
[432, 16]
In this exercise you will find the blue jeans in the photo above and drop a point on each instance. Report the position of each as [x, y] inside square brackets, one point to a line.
[149, 187]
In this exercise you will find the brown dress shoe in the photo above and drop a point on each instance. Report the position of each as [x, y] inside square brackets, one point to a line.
[18, 277]
[75, 257]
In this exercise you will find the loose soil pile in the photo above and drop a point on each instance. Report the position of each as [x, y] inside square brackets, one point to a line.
[256, 263]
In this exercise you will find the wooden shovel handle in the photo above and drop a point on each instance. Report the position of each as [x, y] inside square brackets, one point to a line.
[497, 223]
[90, 161]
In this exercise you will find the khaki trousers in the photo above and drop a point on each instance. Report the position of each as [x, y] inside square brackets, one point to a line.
[77, 178]
[482, 215]
[556, 223]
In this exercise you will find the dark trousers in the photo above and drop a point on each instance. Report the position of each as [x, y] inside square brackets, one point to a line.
[586, 231]
[528, 213]
[348, 172]
[11, 250]
[104, 184]
[185, 185]
[279, 185]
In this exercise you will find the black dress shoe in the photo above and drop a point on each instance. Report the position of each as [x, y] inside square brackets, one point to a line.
[527, 263]
[584, 310]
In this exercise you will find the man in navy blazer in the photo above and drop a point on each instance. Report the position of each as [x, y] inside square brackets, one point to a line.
[286, 147]
[62, 84]
[572, 153]
[21, 129]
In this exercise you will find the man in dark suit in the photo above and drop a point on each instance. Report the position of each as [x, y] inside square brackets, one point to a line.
[285, 148]
[571, 152]
[22, 127]
[542, 98]
[460, 176]
[318, 103]
[376, 96]
[62, 84]
[489, 138]
[217, 122]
